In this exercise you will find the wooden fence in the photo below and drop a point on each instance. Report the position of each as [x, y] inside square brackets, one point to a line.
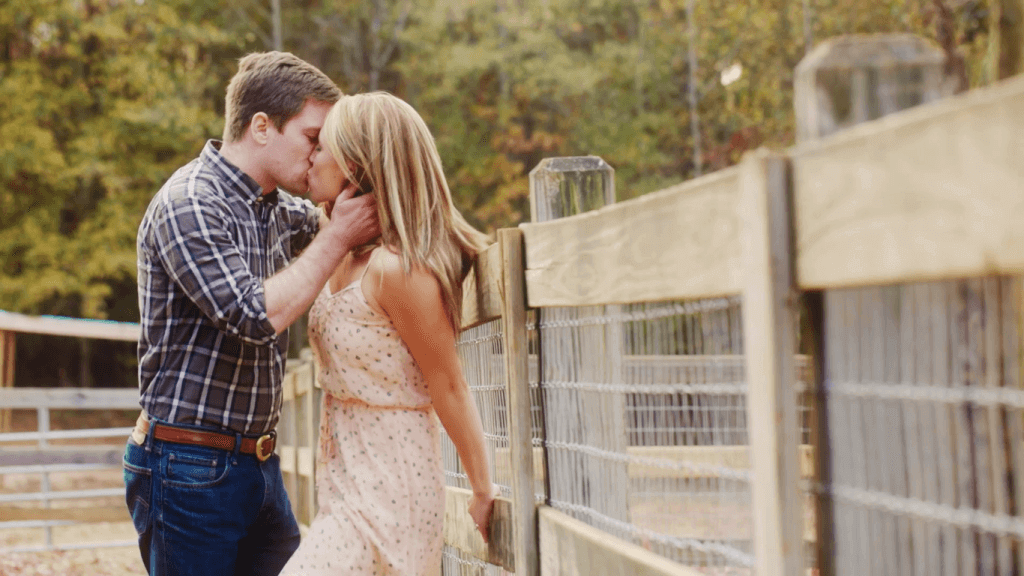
[46, 453]
[934, 193]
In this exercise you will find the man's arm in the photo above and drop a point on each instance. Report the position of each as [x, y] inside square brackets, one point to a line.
[303, 221]
[290, 292]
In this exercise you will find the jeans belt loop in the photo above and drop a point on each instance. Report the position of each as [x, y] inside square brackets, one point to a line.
[238, 447]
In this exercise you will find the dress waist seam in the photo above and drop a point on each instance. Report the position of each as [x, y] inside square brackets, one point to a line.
[364, 404]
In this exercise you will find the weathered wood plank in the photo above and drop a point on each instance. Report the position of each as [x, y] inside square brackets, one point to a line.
[288, 456]
[769, 339]
[682, 242]
[79, 455]
[7, 345]
[519, 406]
[822, 528]
[930, 193]
[481, 291]
[306, 463]
[75, 327]
[70, 398]
[460, 533]
[569, 547]
[671, 462]
[85, 515]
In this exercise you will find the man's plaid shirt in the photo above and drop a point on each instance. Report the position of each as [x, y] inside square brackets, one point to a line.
[208, 354]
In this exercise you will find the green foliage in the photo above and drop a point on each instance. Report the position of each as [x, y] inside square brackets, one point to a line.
[102, 101]
[104, 98]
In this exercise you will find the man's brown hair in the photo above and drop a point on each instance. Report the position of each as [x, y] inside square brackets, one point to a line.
[275, 83]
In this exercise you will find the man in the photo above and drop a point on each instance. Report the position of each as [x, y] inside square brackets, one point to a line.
[218, 288]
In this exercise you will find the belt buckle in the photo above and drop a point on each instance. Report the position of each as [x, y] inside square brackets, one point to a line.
[260, 454]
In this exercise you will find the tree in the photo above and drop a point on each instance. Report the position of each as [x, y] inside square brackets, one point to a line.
[354, 42]
[103, 99]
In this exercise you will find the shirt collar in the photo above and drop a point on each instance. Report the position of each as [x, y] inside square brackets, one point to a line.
[241, 182]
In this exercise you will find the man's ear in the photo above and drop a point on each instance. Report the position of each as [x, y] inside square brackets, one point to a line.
[259, 126]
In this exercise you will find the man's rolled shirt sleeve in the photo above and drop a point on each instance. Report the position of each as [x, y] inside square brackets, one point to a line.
[205, 262]
[303, 220]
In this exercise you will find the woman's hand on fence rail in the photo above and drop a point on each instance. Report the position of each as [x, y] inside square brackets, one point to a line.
[480, 508]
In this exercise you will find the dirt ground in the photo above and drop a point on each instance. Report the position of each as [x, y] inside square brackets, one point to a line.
[684, 515]
[120, 561]
[94, 562]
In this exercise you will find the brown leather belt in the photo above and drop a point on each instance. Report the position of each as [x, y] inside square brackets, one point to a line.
[261, 447]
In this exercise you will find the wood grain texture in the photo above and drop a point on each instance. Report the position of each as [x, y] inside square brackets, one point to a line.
[287, 433]
[287, 454]
[519, 407]
[569, 547]
[460, 533]
[1012, 331]
[306, 454]
[7, 350]
[298, 436]
[682, 242]
[75, 327]
[53, 456]
[668, 462]
[63, 398]
[930, 193]
[481, 291]
[769, 339]
[86, 515]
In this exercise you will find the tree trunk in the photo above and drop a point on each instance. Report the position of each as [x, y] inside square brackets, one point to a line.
[1006, 48]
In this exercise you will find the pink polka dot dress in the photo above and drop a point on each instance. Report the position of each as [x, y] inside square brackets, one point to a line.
[379, 479]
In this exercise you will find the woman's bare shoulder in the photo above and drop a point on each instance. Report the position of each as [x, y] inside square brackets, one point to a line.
[389, 273]
[385, 266]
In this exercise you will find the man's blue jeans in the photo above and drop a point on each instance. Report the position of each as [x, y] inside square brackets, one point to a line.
[204, 511]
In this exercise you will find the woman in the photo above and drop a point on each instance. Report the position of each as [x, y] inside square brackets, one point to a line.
[383, 332]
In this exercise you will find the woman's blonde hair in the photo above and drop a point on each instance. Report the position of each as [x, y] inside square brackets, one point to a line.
[396, 158]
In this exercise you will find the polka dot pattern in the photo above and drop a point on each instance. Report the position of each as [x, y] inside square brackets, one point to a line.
[380, 482]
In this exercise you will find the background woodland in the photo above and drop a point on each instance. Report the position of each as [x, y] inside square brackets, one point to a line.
[103, 99]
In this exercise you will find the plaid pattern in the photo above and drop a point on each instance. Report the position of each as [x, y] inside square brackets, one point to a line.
[208, 355]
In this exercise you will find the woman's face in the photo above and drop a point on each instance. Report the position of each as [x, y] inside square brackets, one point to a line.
[326, 180]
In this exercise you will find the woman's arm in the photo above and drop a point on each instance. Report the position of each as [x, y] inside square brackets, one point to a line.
[413, 302]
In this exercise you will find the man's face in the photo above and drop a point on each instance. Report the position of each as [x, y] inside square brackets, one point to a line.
[289, 151]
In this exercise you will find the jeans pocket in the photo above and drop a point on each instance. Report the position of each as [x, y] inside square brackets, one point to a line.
[138, 484]
[196, 468]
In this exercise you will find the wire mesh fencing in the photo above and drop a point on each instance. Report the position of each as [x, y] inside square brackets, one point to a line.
[483, 364]
[645, 418]
[925, 428]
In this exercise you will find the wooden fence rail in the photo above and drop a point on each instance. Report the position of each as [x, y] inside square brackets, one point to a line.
[44, 452]
[936, 192]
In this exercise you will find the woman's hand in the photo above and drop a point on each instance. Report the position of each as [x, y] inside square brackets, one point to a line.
[480, 508]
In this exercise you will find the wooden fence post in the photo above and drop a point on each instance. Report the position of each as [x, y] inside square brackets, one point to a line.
[843, 82]
[769, 331]
[561, 187]
[520, 422]
[848, 80]
[1006, 39]
[308, 417]
[6, 374]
